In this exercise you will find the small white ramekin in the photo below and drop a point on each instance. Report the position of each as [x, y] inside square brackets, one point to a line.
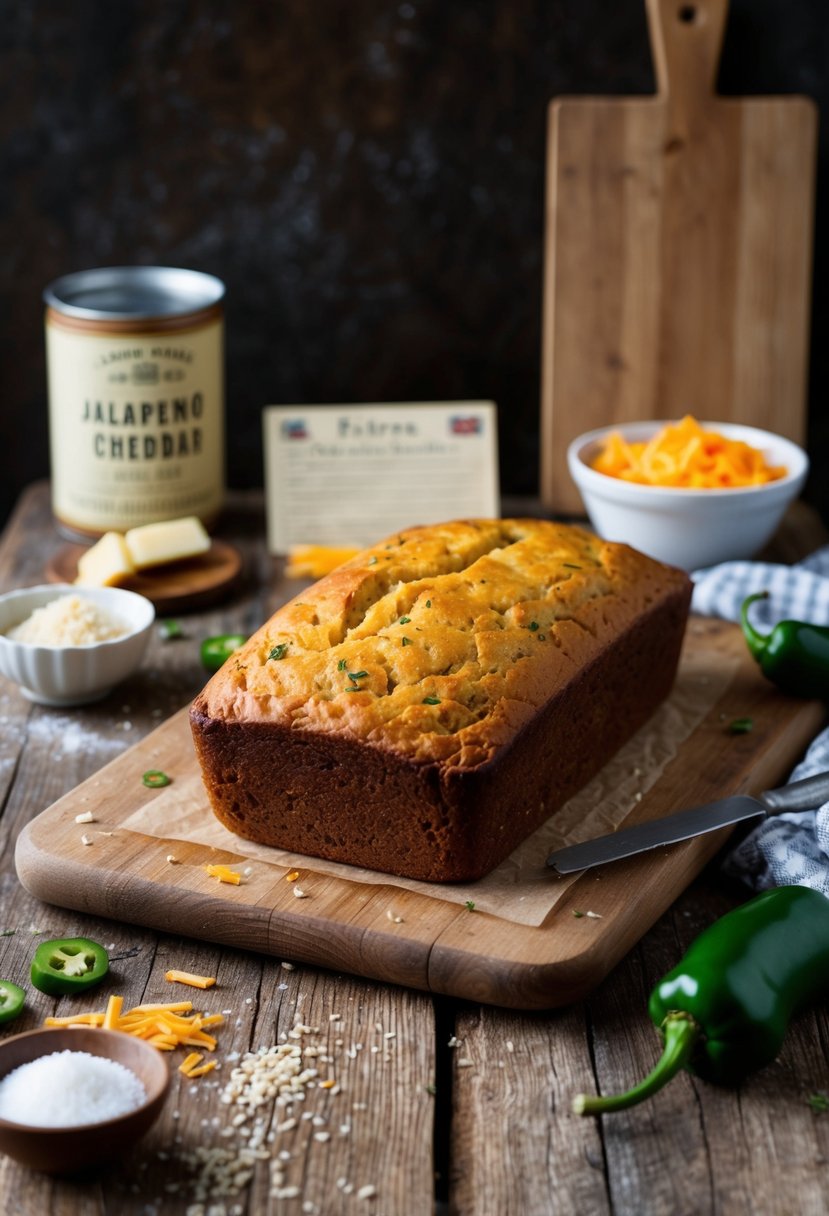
[73, 675]
[688, 528]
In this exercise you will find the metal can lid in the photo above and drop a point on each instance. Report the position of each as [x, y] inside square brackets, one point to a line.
[133, 292]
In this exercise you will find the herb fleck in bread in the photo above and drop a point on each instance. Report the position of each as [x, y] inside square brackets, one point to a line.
[425, 707]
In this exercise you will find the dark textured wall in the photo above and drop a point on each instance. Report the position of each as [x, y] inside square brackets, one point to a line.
[367, 177]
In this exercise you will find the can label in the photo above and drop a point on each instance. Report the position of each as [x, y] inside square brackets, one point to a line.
[136, 425]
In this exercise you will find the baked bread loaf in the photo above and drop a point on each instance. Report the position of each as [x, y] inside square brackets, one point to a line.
[426, 706]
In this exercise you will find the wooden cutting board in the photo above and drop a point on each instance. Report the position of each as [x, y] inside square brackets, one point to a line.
[678, 251]
[427, 937]
[181, 586]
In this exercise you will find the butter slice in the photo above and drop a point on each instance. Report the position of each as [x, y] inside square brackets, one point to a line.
[169, 541]
[106, 564]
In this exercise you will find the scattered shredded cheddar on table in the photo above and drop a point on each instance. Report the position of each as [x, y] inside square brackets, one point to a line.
[686, 455]
[113, 1012]
[190, 1061]
[187, 977]
[224, 874]
[313, 561]
[202, 1069]
[166, 1026]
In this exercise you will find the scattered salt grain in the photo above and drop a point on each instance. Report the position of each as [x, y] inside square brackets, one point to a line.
[68, 1089]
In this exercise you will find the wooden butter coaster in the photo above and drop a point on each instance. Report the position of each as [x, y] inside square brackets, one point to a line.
[177, 587]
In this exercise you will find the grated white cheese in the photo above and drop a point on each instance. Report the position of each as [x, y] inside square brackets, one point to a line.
[69, 620]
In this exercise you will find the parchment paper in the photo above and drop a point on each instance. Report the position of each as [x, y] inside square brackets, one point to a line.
[521, 889]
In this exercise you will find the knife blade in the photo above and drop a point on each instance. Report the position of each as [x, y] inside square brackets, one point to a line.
[806, 794]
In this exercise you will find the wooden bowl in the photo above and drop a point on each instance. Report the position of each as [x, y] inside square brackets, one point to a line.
[60, 1150]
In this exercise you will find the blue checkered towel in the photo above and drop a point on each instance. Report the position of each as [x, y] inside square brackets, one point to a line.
[791, 848]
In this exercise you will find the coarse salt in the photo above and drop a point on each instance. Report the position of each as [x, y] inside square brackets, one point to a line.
[68, 1089]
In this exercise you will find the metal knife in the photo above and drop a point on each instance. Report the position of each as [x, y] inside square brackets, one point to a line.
[803, 795]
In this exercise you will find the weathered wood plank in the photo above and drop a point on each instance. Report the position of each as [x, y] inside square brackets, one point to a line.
[516, 1149]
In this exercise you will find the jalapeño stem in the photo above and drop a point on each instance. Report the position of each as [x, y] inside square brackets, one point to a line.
[757, 642]
[681, 1034]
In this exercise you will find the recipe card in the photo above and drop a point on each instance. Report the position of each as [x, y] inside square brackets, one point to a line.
[348, 475]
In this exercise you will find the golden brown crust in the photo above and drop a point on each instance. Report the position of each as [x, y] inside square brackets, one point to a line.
[440, 652]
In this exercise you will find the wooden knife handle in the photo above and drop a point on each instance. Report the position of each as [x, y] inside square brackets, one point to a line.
[686, 41]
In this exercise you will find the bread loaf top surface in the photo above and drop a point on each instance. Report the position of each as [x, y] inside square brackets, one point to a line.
[442, 641]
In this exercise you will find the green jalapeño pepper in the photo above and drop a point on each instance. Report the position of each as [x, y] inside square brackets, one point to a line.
[724, 1009]
[12, 999]
[794, 656]
[215, 651]
[68, 965]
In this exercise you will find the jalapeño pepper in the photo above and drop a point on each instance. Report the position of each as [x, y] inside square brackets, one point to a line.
[12, 999]
[794, 656]
[215, 651]
[67, 965]
[724, 1009]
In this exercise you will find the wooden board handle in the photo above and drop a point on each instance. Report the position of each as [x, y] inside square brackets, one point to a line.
[686, 40]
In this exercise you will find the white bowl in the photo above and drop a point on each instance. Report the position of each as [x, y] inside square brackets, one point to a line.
[73, 675]
[687, 528]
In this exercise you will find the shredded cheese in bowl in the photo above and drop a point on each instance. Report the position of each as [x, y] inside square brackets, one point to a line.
[69, 620]
[686, 455]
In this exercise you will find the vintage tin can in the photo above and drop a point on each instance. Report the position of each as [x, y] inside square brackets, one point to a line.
[136, 397]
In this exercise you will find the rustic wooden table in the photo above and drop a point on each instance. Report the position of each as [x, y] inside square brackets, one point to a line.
[436, 1106]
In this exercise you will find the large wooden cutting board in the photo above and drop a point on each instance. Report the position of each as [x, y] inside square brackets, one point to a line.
[678, 251]
[426, 938]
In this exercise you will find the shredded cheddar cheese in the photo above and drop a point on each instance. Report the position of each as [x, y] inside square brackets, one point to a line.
[686, 455]
[187, 977]
[166, 1026]
[190, 1061]
[224, 874]
[313, 561]
[113, 1012]
[202, 1069]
